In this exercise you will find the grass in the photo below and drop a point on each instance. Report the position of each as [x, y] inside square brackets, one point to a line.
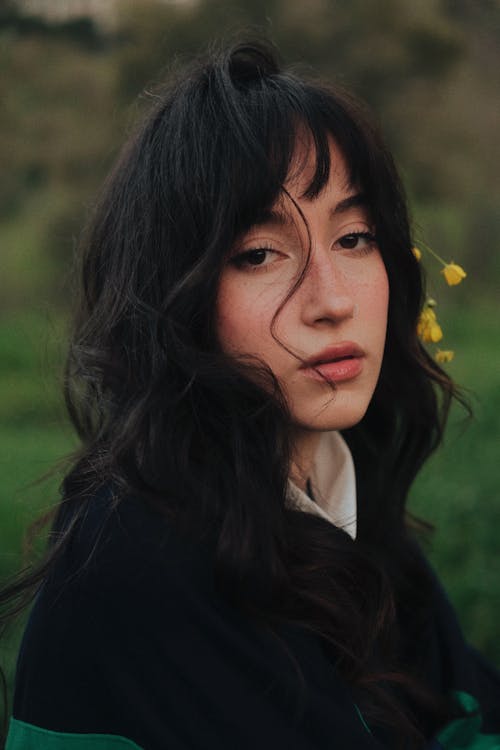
[33, 428]
[34, 435]
[458, 489]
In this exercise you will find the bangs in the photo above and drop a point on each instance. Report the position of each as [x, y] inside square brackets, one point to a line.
[257, 119]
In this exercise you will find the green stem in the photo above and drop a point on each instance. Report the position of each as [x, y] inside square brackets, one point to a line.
[431, 251]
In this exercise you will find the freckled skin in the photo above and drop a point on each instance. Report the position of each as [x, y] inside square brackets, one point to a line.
[342, 298]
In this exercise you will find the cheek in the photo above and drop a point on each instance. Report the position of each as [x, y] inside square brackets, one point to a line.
[230, 332]
[240, 322]
[376, 298]
[368, 283]
[226, 319]
[380, 299]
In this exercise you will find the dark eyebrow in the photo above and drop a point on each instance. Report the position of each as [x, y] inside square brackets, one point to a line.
[273, 216]
[353, 201]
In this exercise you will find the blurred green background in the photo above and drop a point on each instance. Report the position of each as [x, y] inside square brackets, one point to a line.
[71, 88]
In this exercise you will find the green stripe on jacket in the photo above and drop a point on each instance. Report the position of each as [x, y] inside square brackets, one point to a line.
[23, 736]
[465, 733]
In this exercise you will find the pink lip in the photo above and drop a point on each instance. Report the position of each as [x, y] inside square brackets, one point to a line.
[342, 361]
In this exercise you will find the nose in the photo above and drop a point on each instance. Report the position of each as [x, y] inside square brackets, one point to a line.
[325, 292]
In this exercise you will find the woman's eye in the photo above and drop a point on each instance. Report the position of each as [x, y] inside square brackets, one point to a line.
[255, 257]
[357, 241]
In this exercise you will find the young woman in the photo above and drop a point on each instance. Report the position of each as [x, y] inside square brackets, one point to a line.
[231, 565]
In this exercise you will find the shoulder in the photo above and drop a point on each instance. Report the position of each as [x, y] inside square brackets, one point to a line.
[115, 618]
[115, 542]
[124, 576]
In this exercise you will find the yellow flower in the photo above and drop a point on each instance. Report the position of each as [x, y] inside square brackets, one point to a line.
[416, 252]
[444, 356]
[453, 273]
[428, 329]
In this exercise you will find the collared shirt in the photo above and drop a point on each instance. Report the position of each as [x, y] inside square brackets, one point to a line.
[333, 484]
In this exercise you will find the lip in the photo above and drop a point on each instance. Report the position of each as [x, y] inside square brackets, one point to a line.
[342, 361]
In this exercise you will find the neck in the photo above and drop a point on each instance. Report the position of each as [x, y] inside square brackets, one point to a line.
[305, 444]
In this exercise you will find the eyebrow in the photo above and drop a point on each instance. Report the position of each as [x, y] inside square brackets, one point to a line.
[282, 218]
[353, 201]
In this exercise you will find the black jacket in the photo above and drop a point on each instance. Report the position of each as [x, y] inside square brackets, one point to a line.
[129, 646]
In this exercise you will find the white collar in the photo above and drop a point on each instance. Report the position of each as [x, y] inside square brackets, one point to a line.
[333, 484]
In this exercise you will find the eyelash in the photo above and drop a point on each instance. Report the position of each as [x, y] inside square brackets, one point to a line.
[242, 259]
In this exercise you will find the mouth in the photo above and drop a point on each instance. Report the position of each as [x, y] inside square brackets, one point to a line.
[337, 363]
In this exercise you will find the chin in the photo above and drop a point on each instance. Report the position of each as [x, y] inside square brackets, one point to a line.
[326, 424]
[333, 416]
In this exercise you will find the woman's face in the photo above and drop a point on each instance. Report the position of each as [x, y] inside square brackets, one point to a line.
[332, 329]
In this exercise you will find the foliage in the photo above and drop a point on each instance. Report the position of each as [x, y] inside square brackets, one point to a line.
[458, 488]
[430, 70]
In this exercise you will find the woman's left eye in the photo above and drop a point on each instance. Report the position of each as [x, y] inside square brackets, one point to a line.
[362, 241]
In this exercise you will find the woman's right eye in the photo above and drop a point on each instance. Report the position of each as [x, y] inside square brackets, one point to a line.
[255, 257]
